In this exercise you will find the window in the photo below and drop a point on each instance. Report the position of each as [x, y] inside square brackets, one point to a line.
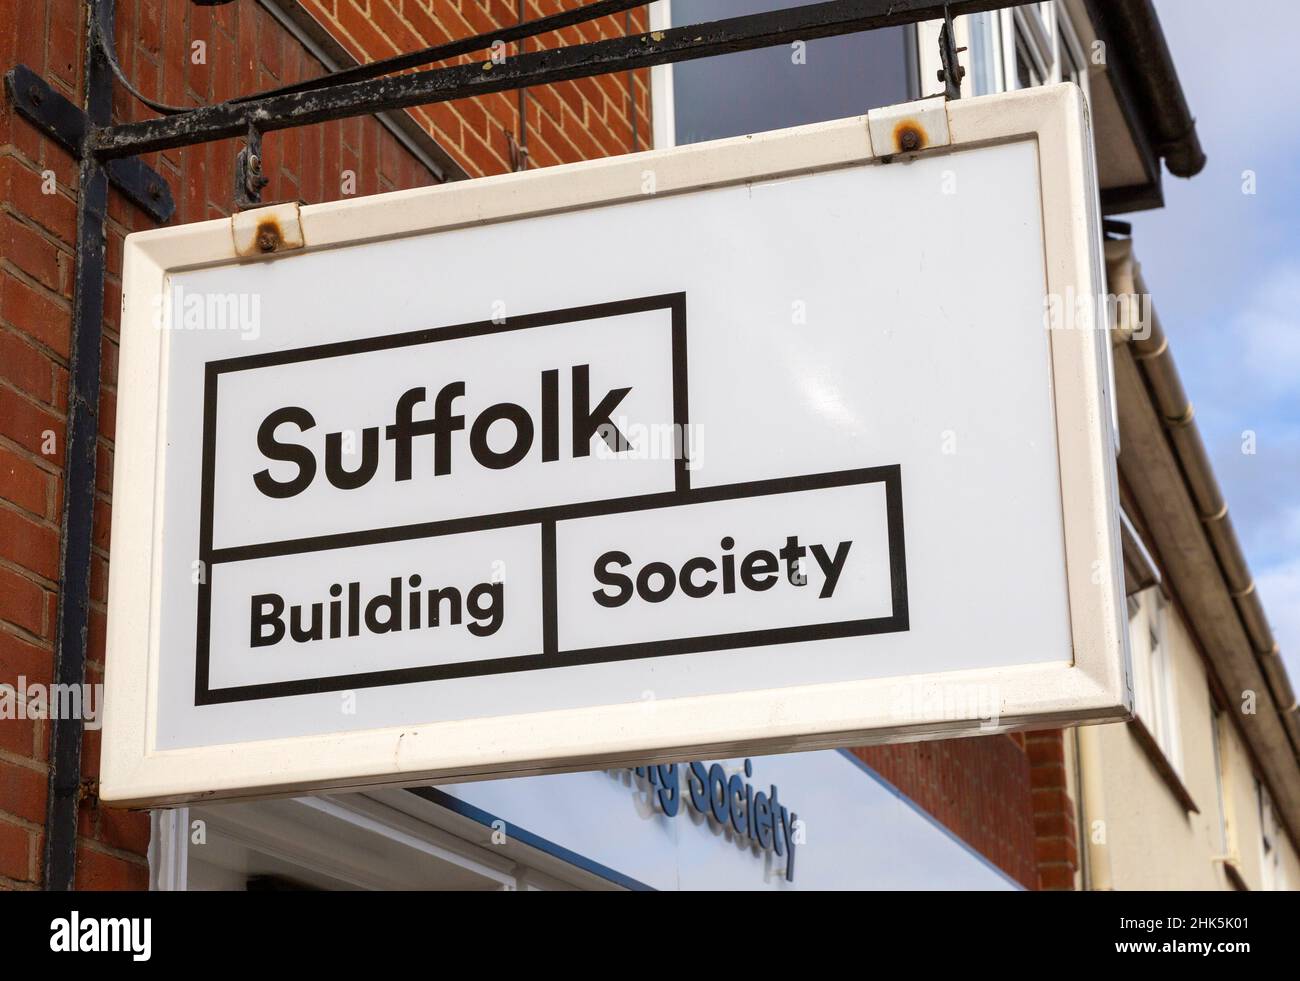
[773, 88]
[985, 44]
[1071, 69]
[1019, 48]
[1029, 67]
[1272, 874]
[1071, 61]
[1153, 682]
[1033, 45]
[1216, 730]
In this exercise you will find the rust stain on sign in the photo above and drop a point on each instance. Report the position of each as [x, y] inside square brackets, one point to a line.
[267, 231]
[909, 136]
[269, 237]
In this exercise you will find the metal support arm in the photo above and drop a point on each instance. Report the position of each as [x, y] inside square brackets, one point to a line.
[67, 125]
[232, 119]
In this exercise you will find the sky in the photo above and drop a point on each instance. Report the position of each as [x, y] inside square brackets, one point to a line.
[1223, 268]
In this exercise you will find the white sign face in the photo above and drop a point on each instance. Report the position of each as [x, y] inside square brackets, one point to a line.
[763, 444]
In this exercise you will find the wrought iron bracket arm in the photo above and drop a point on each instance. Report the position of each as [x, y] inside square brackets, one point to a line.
[67, 124]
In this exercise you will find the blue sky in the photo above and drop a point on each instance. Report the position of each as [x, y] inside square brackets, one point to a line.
[1223, 268]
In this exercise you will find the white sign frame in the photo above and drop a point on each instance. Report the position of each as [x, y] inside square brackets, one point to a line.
[1094, 688]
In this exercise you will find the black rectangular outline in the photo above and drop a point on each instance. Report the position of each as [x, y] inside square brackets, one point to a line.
[548, 658]
[209, 557]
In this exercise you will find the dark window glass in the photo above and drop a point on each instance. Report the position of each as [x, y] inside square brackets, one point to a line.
[1071, 71]
[754, 91]
[1026, 74]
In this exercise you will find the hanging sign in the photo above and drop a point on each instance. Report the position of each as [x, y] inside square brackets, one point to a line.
[789, 441]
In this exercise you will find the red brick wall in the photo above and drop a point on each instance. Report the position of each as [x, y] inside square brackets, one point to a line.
[1056, 847]
[246, 50]
[978, 787]
[578, 120]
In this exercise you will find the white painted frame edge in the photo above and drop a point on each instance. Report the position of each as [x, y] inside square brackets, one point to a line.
[1094, 688]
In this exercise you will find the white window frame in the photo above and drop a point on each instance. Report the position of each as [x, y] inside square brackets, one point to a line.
[1272, 872]
[663, 114]
[1067, 33]
[1220, 777]
[1044, 25]
[966, 39]
[1155, 701]
[663, 117]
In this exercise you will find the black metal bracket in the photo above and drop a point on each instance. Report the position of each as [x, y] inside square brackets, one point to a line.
[340, 101]
[952, 72]
[249, 178]
[67, 125]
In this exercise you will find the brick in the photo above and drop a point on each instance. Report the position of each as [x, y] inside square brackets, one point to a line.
[56, 212]
[386, 19]
[20, 658]
[26, 543]
[1056, 876]
[175, 55]
[103, 467]
[37, 313]
[474, 116]
[23, 482]
[31, 252]
[90, 749]
[1055, 849]
[107, 410]
[1050, 800]
[22, 603]
[30, 34]
[361, 38]
[16, 844]
[108, 360]
[226, 74]
[101, 531]
[25, 366]
[98, 579]
[270, 43]
[149, 27]
[97, 870]
[1050, 750]
[23, 790]
[128, 830]
[18, 736]
[148, 79]
[30, 426]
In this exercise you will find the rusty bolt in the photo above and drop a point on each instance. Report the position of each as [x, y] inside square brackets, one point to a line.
[268, 238]
[909, 140]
